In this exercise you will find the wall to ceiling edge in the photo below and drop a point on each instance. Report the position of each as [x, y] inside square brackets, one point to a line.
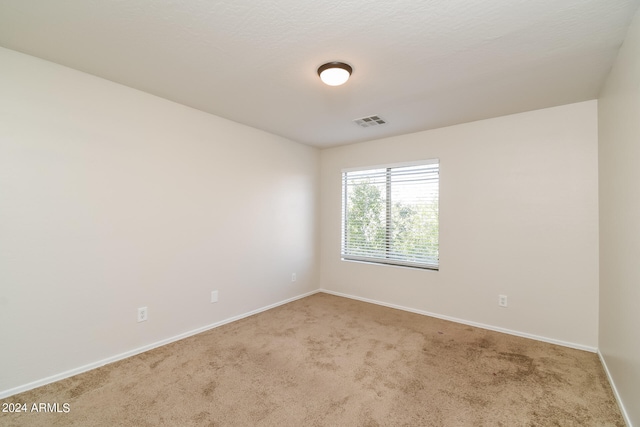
[113, 199]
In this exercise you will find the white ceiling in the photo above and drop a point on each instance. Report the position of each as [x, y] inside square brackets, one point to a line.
[419, 64]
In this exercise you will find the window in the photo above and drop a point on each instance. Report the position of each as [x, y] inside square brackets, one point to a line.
[390, 215]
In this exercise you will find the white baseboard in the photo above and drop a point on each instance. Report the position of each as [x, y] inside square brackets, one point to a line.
[467, 322]
[121, 356]
[625, 415]
[94, 365]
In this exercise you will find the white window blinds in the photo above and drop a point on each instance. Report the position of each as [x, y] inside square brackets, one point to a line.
[390, 215]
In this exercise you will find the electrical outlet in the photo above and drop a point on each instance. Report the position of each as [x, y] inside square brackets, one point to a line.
[214, 296]
[502, 300]
[293, 277]
[142, 314]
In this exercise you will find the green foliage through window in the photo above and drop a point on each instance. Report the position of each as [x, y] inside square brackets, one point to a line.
[390, 215]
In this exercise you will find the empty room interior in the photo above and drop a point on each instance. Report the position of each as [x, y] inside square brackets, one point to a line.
[197, 228]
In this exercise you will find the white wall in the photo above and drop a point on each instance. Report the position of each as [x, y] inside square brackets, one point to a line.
[619, 161]
[518, 216]
[112, 199]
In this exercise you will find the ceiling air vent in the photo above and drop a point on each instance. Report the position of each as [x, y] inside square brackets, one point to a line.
[366, 122]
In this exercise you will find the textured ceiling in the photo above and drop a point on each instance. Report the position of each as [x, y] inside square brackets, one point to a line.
[419, 64]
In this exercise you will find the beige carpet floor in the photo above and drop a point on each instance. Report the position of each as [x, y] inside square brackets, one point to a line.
[330, 361]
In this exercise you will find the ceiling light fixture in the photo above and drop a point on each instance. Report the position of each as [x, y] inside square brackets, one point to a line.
[334, 73]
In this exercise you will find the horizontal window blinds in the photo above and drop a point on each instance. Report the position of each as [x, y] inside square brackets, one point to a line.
[390, 215]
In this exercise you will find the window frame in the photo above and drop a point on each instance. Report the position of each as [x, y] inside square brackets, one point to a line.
[388, 216]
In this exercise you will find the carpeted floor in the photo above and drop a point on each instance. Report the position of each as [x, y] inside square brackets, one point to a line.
[330, 361]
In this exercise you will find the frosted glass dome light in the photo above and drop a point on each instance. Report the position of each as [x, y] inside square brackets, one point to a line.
[335, 73]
